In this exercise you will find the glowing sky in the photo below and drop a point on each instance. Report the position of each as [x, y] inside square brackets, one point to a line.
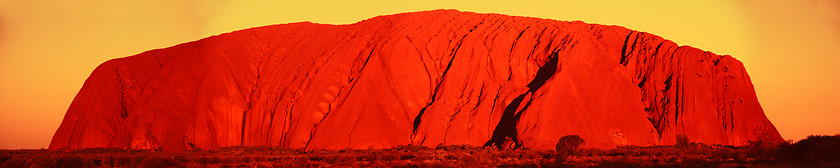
[48, 48]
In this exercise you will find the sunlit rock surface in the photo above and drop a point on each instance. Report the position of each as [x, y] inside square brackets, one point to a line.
[424, 78]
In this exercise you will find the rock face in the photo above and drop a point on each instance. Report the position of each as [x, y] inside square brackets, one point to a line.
[424, 78]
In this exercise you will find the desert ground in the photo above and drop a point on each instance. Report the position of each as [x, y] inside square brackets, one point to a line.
[815, 151]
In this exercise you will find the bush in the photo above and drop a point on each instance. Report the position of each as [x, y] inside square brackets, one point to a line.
[682, 140]
[161, 161]
[15, 162]
[814, 149]
[205, 160]
[73, 161]
[567, 145]
[411, 148]
[4, 158]
[182, 158]
[123, 160]
[137, 159]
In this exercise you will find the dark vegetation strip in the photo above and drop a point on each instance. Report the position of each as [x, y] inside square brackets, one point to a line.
[819, 151]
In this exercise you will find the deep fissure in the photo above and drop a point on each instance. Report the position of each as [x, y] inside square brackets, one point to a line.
[506, 129]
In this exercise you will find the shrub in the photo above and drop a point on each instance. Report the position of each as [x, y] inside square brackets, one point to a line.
[123, 160]
[205, 160]
[73, 161]
[4, 158]
[567, 145]
[814, 149]
[161, 161]
[181, 158]
[15, 162]
[760, 149]
[682, 140]
[411, 148]
[224, 159]
[137, 159]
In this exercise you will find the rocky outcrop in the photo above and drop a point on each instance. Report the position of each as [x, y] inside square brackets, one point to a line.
[424, 78]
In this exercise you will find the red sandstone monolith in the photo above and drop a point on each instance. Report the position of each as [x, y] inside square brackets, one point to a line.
[423, 78]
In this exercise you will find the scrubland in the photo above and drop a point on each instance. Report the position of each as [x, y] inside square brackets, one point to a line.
[815, 151]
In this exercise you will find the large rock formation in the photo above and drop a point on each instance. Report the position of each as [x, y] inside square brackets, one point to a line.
[423, 78]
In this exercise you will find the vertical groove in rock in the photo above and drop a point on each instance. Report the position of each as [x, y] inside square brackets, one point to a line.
[506, 130]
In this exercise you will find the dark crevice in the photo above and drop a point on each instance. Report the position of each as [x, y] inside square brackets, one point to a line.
[539, 37]
[624, 48]
[632, 48]
[359, 74]
[510, 73]
[493, 107]
[668, 82]
[422, 60]
[553, 36]
[642, 83]
[349, 90]
[656, 51]
[506, 129]
[251, 99]
[235, 81]
[661, 120]
[312, 135]
[544, 73]
[289, 116]
[124, 113]
[418, 119]
[512, 46]
[432, 99]
[158, 61]
[731, 116]
[271, 120]
[480, 97]
[677, 100]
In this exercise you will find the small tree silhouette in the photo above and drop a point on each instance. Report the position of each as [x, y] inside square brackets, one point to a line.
[567, 145]
[682, 140]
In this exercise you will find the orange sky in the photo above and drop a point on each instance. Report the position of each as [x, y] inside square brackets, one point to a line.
[48, 48]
